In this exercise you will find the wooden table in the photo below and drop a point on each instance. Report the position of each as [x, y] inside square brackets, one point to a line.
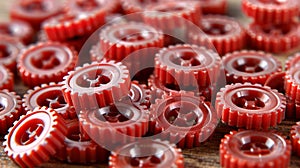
[205, 156]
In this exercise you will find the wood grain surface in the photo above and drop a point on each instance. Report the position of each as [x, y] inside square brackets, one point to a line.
[206, 156]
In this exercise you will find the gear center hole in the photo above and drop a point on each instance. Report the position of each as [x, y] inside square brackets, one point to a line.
[36, 5]
[139, 159]
[257, 145]
[114, 114]
[250, 65]
[185, 58]
[46, 60]
[53, 99]
[250, 99]
[216, 28]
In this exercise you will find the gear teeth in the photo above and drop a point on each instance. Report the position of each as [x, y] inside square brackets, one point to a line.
[36, 154]
[252, 117]
[278, 154]
[270, 12]
[250, 58]
[214, 7]
[32, 75]
[231, 40]
[140, 94]
[95, 53]
[292, 85]
[185, 135]
[292, 61]
[294, 135]
[7, 79]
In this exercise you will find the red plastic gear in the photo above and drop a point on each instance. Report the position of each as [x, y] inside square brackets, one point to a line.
[78, 150]
[96, 85]
[213, 6]
[93, 6]
[18, 29]
[46, 62]
[295, 138]
[292, 84]
[250, 105]
[147, 153]
[170, 15]
[69, 26]
[10, 48]
[276, 81]
[35, 137]
[183, 118]
[140, 94]
[115, 124]
[254, 149]
[225, 33]
[158, 89]
[11, 109]
[121, 39]
[51, 96]
[292, 109]
[274, 38]
[275, 11]
[6, 79]
[35, 12]
[293, 61]
[250, 66]
[187, 65]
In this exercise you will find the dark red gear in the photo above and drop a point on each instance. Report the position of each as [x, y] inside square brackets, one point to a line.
[295, 138]
[251, 106]
[170, 15]
[140, 94]
[117, 123]
[97, 7]
[254, 149]
[271, 11]
[35, 137]
[10, 48]
[213, 6]
[6, 79]
[225, 33]
[46, 62]
[183, 118]
[96, 85]
[35, 12]
[79, 150]
[18, 29]
[147, 153]
[273, 38]
[250, 66]
[96, 55]
[158, 89]
[10, 109]
[292, 84]
[70, 26]
[51, 96]
[276, 81]
[187, 65]
[292, 109]
[122, 39]
[292, 61]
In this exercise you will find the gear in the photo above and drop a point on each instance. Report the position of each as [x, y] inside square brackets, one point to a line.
[46, 62]
[183, 118]
[276, 81]
[293, 61]
[273, 38]
[277, 11]
[35, 12]
[10, 48]
[254, 149]
[250, 105]
[214, 6]
[18, 29]
[78, 150]
[120, 40]
[250, 66]
[118, 123]
[11, 109]
[50, 96]
[69, 26]
[93, 6]
[6, 79]
[292, 84]
[35, 137]
[96, 85]
[225, 33]
[295, 138]
[147, 153]
[187, 65]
